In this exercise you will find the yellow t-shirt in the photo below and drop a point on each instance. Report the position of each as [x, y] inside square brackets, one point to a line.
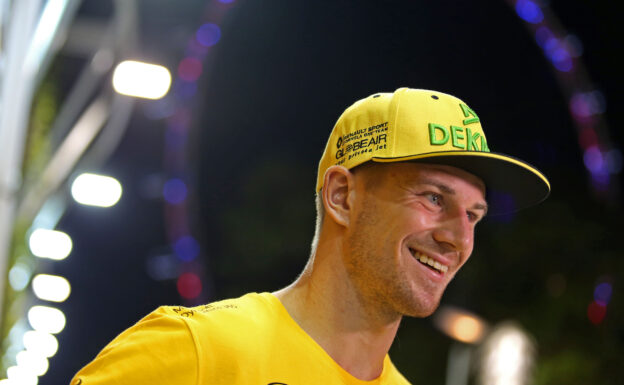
[248, 340]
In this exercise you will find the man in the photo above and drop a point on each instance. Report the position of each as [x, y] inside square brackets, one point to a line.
[400, 188]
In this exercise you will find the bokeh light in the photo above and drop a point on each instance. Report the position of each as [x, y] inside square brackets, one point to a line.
[142, 80]
[46, 319]
[602, 293]
[596, 312]
[33, 363]
[50, 244]
[174, 191]
[208, 34]
[96, 190]
[593, 160]
[529, 11]
[41, 343]
[21, 376]
[19, 276]
[51, 287]
[186, 248]
[189, 69]
[189, 285]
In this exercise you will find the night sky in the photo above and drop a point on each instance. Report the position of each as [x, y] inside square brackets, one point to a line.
[270, 92]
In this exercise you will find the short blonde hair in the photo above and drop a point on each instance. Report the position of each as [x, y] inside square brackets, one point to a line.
[320, 214]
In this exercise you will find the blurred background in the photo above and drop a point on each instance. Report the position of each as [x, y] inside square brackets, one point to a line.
[164, 152]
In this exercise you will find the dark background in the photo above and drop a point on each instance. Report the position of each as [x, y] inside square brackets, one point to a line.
[272, 89]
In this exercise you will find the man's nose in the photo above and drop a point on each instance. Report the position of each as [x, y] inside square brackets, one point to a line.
[455, 233]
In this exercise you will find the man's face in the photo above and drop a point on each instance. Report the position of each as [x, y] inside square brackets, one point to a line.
[405, 217]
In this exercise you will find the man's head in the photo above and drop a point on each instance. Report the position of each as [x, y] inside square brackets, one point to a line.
[403, 180]
[405, 228]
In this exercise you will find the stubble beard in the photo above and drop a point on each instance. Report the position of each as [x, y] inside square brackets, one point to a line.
[382, 285]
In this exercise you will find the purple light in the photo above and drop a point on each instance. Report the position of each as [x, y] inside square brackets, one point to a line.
[593, 160]
[561, 59]
[190, 69]
[529, 11]
[543, 35]
[226, 1]
[174, 191]
[586, 104]
[186, 248]
[208, 34]
[602, 293]
[579, 106]
[600, 180]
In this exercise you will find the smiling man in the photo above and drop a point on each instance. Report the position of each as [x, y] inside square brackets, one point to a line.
[400, 188]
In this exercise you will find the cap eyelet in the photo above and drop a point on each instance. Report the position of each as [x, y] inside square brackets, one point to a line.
[435, 97]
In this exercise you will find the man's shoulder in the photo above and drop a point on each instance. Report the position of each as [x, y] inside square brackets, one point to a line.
[251, 308]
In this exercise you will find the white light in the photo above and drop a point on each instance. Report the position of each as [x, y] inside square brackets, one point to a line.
[142, 80]
[508, 357]
[19, 375]
[50, 244]
[46, 319]
[41, 343]
[96, 190]
[19, 276]
[32, 362]
[51, 287]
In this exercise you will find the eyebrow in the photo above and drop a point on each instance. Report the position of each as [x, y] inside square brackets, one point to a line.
[447, 190]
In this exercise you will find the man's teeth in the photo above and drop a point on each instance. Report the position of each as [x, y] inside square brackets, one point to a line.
[431, 262]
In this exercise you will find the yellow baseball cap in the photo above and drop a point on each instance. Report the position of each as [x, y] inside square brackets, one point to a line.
[429, 127]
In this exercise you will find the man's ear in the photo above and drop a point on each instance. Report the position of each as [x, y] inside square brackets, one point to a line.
[338, 191]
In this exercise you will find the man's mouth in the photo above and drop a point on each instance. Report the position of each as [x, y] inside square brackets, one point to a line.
[429, 262]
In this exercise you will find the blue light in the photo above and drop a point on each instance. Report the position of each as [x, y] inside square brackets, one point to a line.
[174, 191]
[208, 34]
[226, 1]
[602, 293]
[529, 11]
[185, 90]
[187, 248]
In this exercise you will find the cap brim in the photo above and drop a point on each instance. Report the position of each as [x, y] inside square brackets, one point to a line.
[511, 184]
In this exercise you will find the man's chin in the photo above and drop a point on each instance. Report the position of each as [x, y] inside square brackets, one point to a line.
[422, 308]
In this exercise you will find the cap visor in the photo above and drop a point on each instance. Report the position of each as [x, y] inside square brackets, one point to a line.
[511, 184]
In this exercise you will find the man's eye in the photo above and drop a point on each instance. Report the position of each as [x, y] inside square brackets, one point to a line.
[434, 198]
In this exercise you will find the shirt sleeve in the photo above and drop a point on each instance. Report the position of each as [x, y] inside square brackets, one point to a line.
[159, 349]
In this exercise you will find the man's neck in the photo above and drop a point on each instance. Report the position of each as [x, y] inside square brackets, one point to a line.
[355, 333]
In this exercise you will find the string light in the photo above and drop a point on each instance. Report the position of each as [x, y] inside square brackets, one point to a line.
[587, 105]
